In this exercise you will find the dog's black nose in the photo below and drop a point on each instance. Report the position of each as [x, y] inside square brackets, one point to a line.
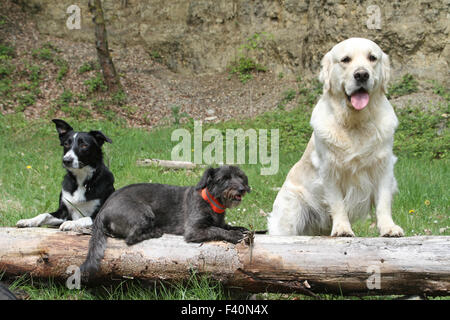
[242, 190]
[361, 75]
[67, 162]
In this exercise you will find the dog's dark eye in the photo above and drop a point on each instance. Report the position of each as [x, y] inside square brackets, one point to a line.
[372, 58]
[346, 60]
[67, 144]
[83, 146]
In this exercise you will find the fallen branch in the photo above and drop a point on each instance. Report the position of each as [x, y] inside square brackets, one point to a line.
[308, 265]
[168, 164]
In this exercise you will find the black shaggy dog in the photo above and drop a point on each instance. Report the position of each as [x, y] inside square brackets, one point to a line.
[142, 211]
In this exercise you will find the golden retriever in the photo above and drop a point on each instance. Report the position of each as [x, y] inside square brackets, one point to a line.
[348, 165]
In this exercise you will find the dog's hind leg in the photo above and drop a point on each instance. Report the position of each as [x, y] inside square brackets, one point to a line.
[289, 215]
[144, 227]
[141, 233]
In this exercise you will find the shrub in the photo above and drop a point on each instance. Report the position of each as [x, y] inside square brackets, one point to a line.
[95, 83]
[439, 89]
[6, 50]
[43, 54]
[25, 100]
[34, 73]
[177, 115]
[119, 98]
[64, 99]
[6, 68]
[310, 92]
[63, 69]
[244, 64]
[244, 67]
[5, 87]
[88, 66]
[288, 96]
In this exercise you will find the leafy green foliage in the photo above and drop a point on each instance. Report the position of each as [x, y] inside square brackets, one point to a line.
[43, 54]
[6, 67]
[119, 98]
[64, 99]
[46, 52]
[405, 86]
[24, 100]
[244, 64]
[244, 67]
[63, 68]
[5, 88]
[440, 90]
[177, 115]
[95, 83]
[88, 66]
[309, 92]
[34, 73]
[155, 55]
[288, 96]
[6, 50]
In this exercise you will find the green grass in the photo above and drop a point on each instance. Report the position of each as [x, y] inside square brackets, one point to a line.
[195, 288]
[31, 173]
[406, 85]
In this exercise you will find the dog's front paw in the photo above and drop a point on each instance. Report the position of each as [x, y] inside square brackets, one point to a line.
[391, 231]
[342, 230]
[236, 236]
[68, 226]
[23, 223]
[26, 223]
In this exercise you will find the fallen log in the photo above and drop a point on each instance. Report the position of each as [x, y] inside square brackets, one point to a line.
[308, 265]
[171, 164]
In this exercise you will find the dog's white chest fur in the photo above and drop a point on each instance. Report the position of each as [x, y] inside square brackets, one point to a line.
[76, 202]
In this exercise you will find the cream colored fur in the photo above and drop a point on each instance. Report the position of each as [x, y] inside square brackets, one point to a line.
[348, 165]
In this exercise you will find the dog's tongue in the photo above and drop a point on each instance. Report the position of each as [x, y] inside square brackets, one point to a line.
[359, 100]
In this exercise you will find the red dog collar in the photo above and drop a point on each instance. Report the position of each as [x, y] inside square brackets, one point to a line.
[215, 205]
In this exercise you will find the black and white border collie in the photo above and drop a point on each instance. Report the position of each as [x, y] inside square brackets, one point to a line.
[87, 184]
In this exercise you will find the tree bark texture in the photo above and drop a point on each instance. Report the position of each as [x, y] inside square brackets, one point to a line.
[110, 75]
[309, 265]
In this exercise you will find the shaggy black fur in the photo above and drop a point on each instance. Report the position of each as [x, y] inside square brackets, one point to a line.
[141, 211]
[5, 294]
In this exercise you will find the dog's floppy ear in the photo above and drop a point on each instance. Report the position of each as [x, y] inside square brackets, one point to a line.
[207, 176]
[325, 71]
[100, 137]
[385, 71]
[62, 127]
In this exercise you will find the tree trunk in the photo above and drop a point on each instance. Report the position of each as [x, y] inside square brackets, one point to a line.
[110, 75]
[308, 265]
